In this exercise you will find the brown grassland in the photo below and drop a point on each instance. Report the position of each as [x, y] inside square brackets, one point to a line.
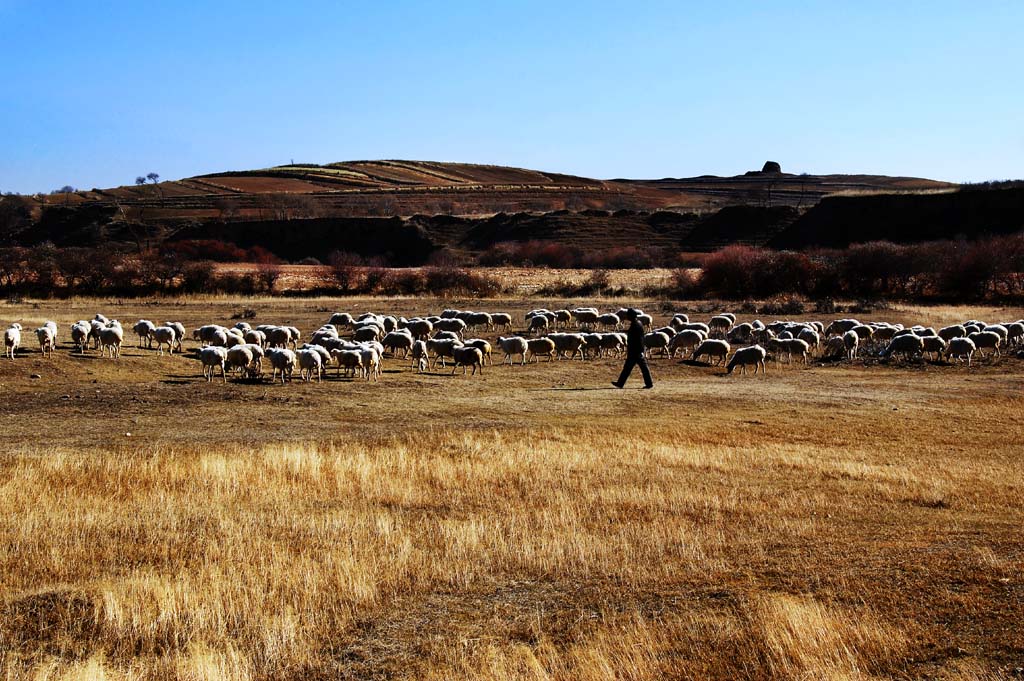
[851, 521]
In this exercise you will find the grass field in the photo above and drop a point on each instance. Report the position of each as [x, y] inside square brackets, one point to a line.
[850, 521]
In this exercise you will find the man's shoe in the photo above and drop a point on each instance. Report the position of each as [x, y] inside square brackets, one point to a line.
[648, 387]
[617, 385]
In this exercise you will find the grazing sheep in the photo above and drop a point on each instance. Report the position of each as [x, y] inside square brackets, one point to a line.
[851, 339]
[419, 356]
[835, 348]
[987, 339]
[441, 348]
[479, 319]
[179, 333]
[538, 323]
[586, 316]
[449, 335]
[44, 334]
[111, 338]
[211, 357]
[563, 318]
[657, 341]
[501, 320]
[467, 356]
[811, 337]
[143, 329]
[740, 333]
[255, 337]
[398, 340]
[790, 347]
[240, 357]
[421, 328]
[371, 363]
[908, 345]
[948, 333]
[687, 339]
[569, 344]
[609, 320]
[341, 319]
[310, 362]
[513, 345]
[164, 335]
[281, 360]
[744, 357]
[934, 345]
[349, 360]
[483, 346]
[541, 347]
[960, 348]
[999, 329]
[367, 333]
[456, 326]
[721, 323]
[696, 326]
[1014, 333]
[713, 348]
[80, 335]
[840, 326]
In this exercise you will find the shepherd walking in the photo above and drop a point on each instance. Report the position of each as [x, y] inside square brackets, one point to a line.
[634, 351]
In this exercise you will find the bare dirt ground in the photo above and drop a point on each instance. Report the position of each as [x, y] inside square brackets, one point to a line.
[853, 520]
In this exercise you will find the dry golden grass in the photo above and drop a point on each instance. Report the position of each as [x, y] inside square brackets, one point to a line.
[842, 522]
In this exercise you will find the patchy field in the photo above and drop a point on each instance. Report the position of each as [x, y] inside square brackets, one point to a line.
[845, 521]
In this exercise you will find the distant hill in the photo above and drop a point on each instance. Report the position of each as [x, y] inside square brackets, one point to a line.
[409, 209]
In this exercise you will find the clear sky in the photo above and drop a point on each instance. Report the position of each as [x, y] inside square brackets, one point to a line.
[95, 94]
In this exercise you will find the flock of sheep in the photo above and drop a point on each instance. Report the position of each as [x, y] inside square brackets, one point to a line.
[356, 346]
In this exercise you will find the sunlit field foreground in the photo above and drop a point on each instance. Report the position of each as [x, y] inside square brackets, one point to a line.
[828, 522]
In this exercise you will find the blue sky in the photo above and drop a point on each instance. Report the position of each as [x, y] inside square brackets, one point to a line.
[96, 93]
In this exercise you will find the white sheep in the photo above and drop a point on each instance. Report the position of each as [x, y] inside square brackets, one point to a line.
[539, 323]
[281, 360]
[713, 348]
[657, 340]
[111, 338]
[44, 334]
[511, 346]
[948, 333]
[179, 333]
[960, 348]
[441, 348]
[609, 320]
[419, 356]
[212, 357]
[310, 362]
[349, 360]
[240, 357]
[586, 316]
[987, 339]
[80, 335]
[501, 320]
[721, 323]
[467, 356]
[744, 357]
[934, 345]
[687, 339]
[371, 363]
[398, 340]
[569, 344]
[483, 346]
[163, 336]
[541, 347]
[851, 340]
[144, 329]
[908, 345]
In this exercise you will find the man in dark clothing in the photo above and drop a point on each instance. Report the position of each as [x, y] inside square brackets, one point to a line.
[634, 351]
